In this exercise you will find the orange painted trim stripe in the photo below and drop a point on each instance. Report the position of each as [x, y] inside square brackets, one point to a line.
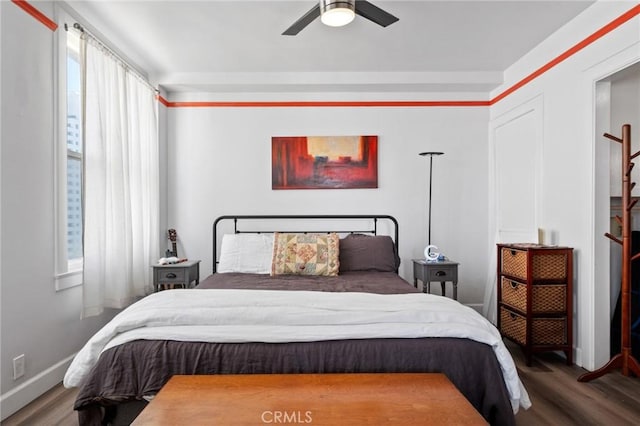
[36, 14]
[625, 17]
[163, 101]
[325, 104]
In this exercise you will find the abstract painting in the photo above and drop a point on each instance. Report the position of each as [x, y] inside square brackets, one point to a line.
[324, 162]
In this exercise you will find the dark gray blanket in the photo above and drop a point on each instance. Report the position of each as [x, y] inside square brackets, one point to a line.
[140, 368]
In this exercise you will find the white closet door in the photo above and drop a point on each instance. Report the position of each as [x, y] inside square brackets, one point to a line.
[516, 143]
[516, 153]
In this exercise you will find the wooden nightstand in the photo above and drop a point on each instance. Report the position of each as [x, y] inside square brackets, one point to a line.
[441, 271]
[177, 274]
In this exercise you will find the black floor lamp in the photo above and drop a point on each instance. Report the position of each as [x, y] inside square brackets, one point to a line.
[430, 154]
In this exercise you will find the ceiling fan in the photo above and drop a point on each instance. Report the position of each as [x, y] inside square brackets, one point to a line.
[341, 12]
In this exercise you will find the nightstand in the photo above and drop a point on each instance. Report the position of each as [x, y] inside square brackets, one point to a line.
[535, 297]
[176, 274]
[441, 271]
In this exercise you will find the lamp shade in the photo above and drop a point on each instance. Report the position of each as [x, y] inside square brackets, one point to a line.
[336, 13]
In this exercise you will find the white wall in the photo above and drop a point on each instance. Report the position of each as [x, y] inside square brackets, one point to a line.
[572, 205]
[220, 163]
[36, 321]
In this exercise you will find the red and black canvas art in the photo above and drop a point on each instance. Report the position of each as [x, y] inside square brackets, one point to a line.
[324, 162]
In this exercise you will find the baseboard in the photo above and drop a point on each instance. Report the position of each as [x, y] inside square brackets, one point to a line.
[577, 357]
[26, 392]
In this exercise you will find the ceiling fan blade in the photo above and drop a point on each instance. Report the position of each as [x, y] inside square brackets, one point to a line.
[374, 13]
[306, 19]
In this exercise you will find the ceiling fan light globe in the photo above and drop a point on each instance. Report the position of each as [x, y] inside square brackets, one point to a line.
[337, 17]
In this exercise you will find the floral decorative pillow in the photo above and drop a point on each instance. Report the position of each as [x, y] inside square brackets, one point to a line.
[305, 254]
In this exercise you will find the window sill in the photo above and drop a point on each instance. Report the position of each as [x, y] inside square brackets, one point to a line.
[68, 280]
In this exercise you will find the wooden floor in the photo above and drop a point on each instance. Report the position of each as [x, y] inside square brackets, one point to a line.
[558, 398]
[54, 408]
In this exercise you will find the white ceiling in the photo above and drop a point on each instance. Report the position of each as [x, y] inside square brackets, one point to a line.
[237, 46]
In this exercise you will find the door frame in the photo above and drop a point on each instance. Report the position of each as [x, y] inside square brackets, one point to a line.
[593, 319]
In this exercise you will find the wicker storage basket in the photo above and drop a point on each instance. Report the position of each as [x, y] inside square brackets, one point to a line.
[545, 266]
[513, 326]
[545, 298]
[545, 331]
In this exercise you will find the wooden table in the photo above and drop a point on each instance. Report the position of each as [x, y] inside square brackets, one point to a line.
[317, 399]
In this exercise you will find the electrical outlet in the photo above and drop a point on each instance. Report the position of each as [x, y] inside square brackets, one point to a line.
[18, 367]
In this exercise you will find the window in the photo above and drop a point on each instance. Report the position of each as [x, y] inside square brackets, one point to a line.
[74, 148]
[69, 164]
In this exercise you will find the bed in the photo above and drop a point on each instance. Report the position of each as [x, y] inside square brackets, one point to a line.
[289, 300]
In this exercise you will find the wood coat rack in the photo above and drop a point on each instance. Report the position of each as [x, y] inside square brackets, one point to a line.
[624, 360]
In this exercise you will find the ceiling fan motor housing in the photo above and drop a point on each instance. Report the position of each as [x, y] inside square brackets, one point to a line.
[337, 13]
[326, 5]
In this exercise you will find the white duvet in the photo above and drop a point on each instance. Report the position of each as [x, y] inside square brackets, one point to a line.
[274, 316]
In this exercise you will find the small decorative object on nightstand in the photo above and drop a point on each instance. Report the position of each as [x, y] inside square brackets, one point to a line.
[174, 275]
[442, 271]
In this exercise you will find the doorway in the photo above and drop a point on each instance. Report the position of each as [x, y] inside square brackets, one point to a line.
[617, 103]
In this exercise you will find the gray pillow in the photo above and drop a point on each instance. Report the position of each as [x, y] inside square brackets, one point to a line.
[360, 252]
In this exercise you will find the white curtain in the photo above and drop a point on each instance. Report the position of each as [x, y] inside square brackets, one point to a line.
[121, 182]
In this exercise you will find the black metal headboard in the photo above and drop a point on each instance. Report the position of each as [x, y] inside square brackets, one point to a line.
[372, 221]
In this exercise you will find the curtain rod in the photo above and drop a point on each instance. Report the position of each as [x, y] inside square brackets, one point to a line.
[119, 58]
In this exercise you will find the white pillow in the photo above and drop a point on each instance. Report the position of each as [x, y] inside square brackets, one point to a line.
[246, 253]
